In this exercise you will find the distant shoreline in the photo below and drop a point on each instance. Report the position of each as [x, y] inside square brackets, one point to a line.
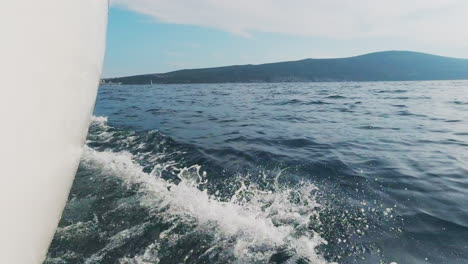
[143, 84]
[380, 66]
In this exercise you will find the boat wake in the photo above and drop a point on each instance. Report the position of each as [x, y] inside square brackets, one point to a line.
[183, 221]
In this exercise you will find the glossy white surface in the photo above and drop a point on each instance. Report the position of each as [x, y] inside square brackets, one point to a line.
[51, 58]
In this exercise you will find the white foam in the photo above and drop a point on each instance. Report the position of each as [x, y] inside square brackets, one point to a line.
[252, 226]
[99, 120]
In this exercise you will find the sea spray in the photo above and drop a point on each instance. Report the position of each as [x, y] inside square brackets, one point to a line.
[258, 223]
[247, 229]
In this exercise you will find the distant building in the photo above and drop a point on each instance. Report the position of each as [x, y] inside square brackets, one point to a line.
[103, 82]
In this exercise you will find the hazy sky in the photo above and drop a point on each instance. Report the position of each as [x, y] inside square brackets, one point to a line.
[149, 36]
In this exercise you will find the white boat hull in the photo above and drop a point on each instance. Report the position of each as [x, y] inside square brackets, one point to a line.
[51, 58]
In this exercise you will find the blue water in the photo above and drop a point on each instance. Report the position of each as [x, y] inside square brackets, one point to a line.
[373, 172]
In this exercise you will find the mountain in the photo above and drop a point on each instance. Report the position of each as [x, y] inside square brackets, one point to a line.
[379, 66]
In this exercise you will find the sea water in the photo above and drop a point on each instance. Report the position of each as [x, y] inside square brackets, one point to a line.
[373, 172]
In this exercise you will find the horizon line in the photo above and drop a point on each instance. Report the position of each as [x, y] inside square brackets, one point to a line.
[266, 63]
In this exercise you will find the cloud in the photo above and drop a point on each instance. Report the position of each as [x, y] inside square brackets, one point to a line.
[430, 21]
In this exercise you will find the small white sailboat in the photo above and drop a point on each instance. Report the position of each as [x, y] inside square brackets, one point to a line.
[51, 58]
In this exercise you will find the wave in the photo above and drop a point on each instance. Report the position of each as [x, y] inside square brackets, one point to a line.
[140, 197]
[458, 102]
[336, 97]
[257, 224]
[300, 102]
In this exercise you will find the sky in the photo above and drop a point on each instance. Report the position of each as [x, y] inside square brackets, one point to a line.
[155, 36]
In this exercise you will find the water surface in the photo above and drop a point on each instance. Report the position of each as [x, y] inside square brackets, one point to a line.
[373, 172]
